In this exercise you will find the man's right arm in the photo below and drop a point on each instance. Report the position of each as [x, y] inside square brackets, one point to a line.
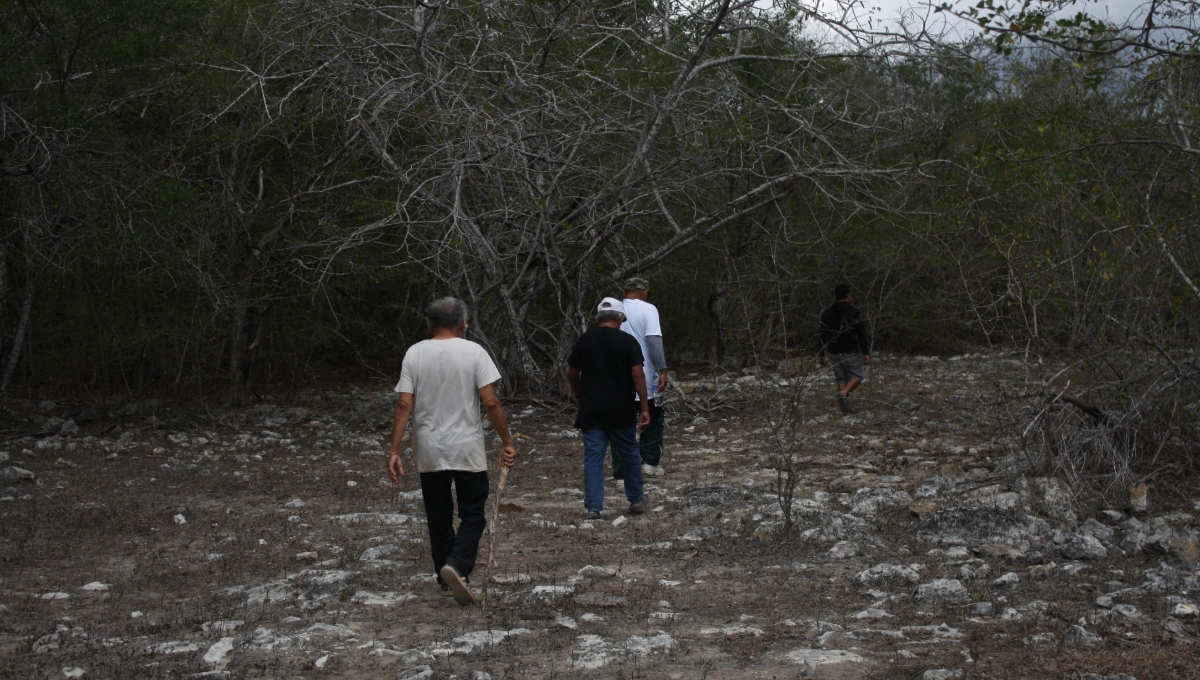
[404, 404]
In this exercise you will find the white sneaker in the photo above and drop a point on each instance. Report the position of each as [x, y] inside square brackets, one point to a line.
[655, 470]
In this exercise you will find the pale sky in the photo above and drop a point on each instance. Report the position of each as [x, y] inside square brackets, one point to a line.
[918, 15]
[1114, 10]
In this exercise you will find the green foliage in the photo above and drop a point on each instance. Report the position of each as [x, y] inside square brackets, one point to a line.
[205, 180]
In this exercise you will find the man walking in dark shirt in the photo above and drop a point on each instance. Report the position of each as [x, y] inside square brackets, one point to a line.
[605, 371]
[843, 335]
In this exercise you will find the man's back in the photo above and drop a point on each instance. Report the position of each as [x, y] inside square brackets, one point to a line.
[444, 377]
[843, 330]
[605, 357]
[641, 319]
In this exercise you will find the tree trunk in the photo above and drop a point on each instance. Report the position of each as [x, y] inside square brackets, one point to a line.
[14, 354]
[567, 335]
[529, 374]
[237, 356]
[239, 349]
[3, 274]
[249, 331]
[715, 308]
[575, 320]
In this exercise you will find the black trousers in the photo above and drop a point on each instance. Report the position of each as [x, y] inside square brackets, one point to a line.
[458, 549]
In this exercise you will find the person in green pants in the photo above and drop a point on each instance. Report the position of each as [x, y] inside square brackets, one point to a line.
[641, 321]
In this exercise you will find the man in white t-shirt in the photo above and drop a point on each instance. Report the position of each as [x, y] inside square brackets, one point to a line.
[443, 382]
[641, 321]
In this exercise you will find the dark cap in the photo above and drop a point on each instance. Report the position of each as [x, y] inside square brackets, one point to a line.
[636, 283]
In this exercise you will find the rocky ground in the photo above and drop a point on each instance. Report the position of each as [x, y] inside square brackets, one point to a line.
[143, 540]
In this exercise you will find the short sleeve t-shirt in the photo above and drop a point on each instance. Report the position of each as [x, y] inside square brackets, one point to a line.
[641, 320]
[444, 377]
[605, 358]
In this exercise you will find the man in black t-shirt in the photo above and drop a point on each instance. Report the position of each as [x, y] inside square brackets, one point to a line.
[604, 369]
[843, 334]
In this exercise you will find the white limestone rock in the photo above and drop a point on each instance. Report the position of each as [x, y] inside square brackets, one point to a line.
[815, 660]
[1080, 546]
[218, 655]
[943, 592]
[1080, 637]
[886, 575]
[383, 599]
[594, 651]
[476, 641]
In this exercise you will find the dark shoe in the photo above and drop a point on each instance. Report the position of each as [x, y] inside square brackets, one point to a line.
[595, 514]
[458, 587]
[639, 507]
[444, 589]
[844, 404]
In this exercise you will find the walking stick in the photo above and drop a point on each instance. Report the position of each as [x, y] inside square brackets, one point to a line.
[495, 524]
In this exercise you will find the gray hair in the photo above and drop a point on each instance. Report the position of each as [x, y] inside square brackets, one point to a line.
[609, 315]
[447, 312]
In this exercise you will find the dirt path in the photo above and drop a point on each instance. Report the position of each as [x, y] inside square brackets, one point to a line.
[269, 542]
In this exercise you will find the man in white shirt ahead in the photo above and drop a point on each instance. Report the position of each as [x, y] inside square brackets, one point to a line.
[443, 382]
[641, 321]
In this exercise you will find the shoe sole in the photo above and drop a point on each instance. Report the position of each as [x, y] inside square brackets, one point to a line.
[844, 404]
[458, 589]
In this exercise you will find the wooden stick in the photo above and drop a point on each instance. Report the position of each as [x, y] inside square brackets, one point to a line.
[495, 524]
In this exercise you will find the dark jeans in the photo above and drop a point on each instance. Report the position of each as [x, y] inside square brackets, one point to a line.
[595, 442]
[650, 441]
[447, 547]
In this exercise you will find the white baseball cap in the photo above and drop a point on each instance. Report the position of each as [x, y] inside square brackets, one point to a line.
[611, 305]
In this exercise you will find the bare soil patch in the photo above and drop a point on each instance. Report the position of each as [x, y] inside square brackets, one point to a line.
[135, 552]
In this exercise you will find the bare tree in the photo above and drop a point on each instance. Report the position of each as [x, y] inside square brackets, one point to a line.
[782, 438]
[1085, 274]
[541, 153]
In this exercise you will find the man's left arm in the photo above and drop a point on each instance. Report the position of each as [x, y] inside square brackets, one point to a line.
[658, 359]
[653, 337]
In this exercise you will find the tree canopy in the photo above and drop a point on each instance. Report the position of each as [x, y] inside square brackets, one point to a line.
[219, 196]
